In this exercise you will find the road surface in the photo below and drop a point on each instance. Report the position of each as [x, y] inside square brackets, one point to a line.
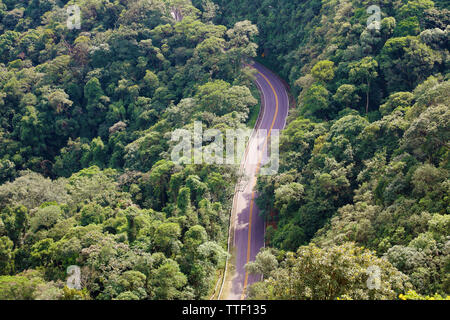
[247, 227]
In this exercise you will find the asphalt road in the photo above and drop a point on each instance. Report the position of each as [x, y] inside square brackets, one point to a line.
[247, 226]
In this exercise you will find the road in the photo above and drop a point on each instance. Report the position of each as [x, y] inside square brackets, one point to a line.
[247, 227]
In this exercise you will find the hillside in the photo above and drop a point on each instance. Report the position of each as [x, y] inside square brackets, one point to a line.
[365, 157]
[358, 210]
[86, 122]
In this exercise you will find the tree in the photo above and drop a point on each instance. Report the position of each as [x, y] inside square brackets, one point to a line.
[265, 263]
[30, 129]
[68, 161]
[426, 179]
[326, 274]
[92, 213]
[434, 38]
[132, 284]
[212, 53]
[240, 43]
[210, 10]
[15, 221]
[408, 27]
[398, 100]
[405, 62]
[6, 256]
[349, 127]
[316, 102]
[220, 97]
[288, 197]
[218, 185]
[45, 218]
[429, 133]
[413, 295]
[59, 101]
[415, 8]
[193, 238]
[31, 190]
[167, 281]
[364, 71]
[96, 154]
[7, 170]
[165, 236]
[351, 223]
[42, 253]
[21, 286]
[95, 107]
[151, 81]
[387, 27]
[346, 95]
[74, 104]
[93, 91]
[159, 178]
[323, 71]
[143, 153]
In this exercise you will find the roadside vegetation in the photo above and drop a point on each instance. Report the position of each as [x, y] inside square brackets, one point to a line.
[365, 156]
[86, 118]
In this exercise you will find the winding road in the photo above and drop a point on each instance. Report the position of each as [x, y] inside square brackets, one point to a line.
[247, 228]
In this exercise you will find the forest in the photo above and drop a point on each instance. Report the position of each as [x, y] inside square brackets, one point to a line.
[86, 117]
[365, 157]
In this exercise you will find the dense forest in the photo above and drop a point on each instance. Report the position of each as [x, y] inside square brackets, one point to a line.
[86, 117]
[86, 121]
[365, 157]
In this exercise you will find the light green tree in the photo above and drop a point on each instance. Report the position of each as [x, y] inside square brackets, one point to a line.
[323, 71]
[331, 273]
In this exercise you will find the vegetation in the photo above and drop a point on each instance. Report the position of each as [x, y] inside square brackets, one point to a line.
[365, 156]
[86, 117]
[86, 123]
[337, 272]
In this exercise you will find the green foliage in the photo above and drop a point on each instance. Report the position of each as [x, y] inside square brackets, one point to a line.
[412, 295]
[415, 8]
[378, 181]
[428, 135]
[167, 281]
[408, 27]
[6, 256]
[400, 101]
[337, 272]
[220, 98]
[323, 71]
[346, 95]
[364, 72]
[405, 62]
[28, 286]
[265, 263]
[85, 123]
[316, 102]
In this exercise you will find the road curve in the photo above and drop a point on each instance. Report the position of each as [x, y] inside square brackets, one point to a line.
[247, 227]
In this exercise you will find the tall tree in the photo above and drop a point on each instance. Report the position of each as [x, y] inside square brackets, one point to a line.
[364, 71]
